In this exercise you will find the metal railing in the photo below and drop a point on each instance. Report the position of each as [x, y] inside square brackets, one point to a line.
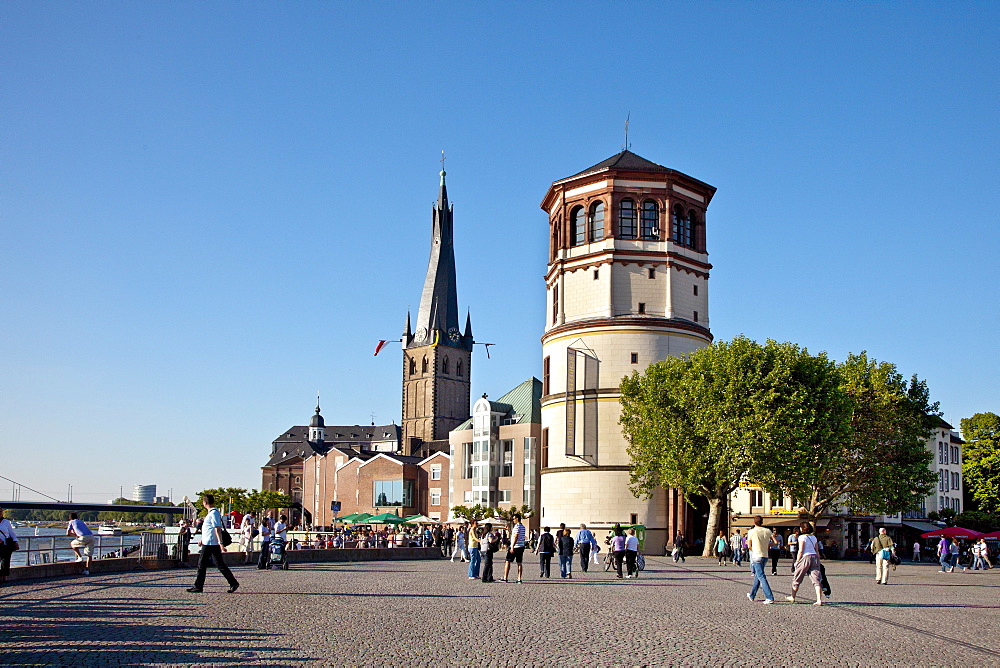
[53, 549]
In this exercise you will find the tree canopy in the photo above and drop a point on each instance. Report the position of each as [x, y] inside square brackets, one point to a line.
[883, 467]
[981, 459]
[734, 410]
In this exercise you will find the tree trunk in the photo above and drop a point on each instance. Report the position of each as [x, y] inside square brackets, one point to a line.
[712, 530]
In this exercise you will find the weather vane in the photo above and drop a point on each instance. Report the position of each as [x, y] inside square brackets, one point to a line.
[442, 161]
[626, 147]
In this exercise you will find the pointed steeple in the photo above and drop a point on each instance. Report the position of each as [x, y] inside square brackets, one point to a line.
[468, 325]
[408, 332]
[437, 318]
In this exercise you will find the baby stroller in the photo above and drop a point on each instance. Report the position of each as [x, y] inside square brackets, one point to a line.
[278, 559]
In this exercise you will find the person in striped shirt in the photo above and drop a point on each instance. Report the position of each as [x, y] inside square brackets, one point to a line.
[518, 540]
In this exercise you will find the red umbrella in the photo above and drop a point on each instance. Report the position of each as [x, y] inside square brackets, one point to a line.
[992, 534]
[953, 532]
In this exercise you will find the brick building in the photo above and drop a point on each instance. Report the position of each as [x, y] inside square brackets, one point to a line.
[405, 466]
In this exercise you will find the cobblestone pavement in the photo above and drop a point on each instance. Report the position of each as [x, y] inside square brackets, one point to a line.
[429, 613]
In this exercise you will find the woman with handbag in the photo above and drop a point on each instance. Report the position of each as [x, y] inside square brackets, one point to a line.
[8, 545]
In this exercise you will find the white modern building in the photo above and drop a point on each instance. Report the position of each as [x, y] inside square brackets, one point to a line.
[144, 493]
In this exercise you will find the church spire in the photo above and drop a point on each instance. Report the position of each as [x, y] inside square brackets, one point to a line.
[437, 318]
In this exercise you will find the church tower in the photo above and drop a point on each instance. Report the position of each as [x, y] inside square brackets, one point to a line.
[627, 285]
[437, 355]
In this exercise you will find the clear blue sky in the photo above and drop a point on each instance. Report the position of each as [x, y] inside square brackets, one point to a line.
[210, 211]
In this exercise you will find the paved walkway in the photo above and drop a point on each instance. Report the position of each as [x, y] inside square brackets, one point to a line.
[428, 613]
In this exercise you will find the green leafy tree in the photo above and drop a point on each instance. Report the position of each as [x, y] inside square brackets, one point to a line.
[265, 500]
[507, 515]
[981, 460]
[884, 466]
[226, 499]
[948, 515]
[977, 520]
[474, 513]
[701, 422]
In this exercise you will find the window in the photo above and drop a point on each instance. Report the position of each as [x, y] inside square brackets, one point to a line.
[696, 316]
[468, 496]
[543, 461]
[777, 500]
[435, 498]
[652, 272]
[682, 227]
[508, 459]
[596, 274]
[413, 366]
[423, 366]
[577, 216]
[942, 458]
[955, 455]
[458, 368]
[435, 473]
[555, 304]
[633, 519]
[695, 290]
[693, 228]
[642, 308]
[596, 221]
[445, 366]
[503, 496]
[635, 358]
[626, 219]
[958, 505]
[757, 498]
[389, 493]
[546, 369]
[467, 462]
[954, 481]
[650, 220]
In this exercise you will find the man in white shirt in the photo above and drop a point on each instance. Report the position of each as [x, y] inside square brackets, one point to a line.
[211, 548]
[916, 551]
[518, 541]
[83, 543]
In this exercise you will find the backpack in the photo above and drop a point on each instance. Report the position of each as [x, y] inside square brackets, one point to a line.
[493, 543]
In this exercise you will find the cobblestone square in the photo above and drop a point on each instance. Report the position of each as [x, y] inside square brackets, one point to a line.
[429, 613]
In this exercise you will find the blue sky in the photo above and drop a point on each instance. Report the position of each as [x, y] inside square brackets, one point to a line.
[210, 211]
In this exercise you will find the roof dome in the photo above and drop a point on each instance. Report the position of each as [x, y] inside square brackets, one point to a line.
[317, 419]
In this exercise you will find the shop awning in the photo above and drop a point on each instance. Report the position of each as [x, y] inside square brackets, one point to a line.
[922, 527]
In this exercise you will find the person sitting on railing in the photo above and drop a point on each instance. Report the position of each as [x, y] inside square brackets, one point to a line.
[83, 543]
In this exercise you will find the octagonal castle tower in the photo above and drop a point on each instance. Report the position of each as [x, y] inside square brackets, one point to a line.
[627, 285]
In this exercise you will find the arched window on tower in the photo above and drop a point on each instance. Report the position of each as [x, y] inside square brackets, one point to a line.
[445, 366]
[579, 221]
[458, 368]
[596, 221]
[423, 366]
[693, 225]
[413, 366]
[626, 219]
[681, 233]
[650, 228]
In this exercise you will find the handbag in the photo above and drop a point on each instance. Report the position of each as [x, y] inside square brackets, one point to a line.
[226, 539]
[11, 545]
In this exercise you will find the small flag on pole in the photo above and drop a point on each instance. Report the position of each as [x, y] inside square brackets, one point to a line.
[381, 345]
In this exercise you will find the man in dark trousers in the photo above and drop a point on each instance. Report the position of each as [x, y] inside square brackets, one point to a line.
[584, 541]
[211, 548]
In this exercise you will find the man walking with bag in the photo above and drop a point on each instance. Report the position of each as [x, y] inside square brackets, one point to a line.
[884, 548]
[211, 548]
